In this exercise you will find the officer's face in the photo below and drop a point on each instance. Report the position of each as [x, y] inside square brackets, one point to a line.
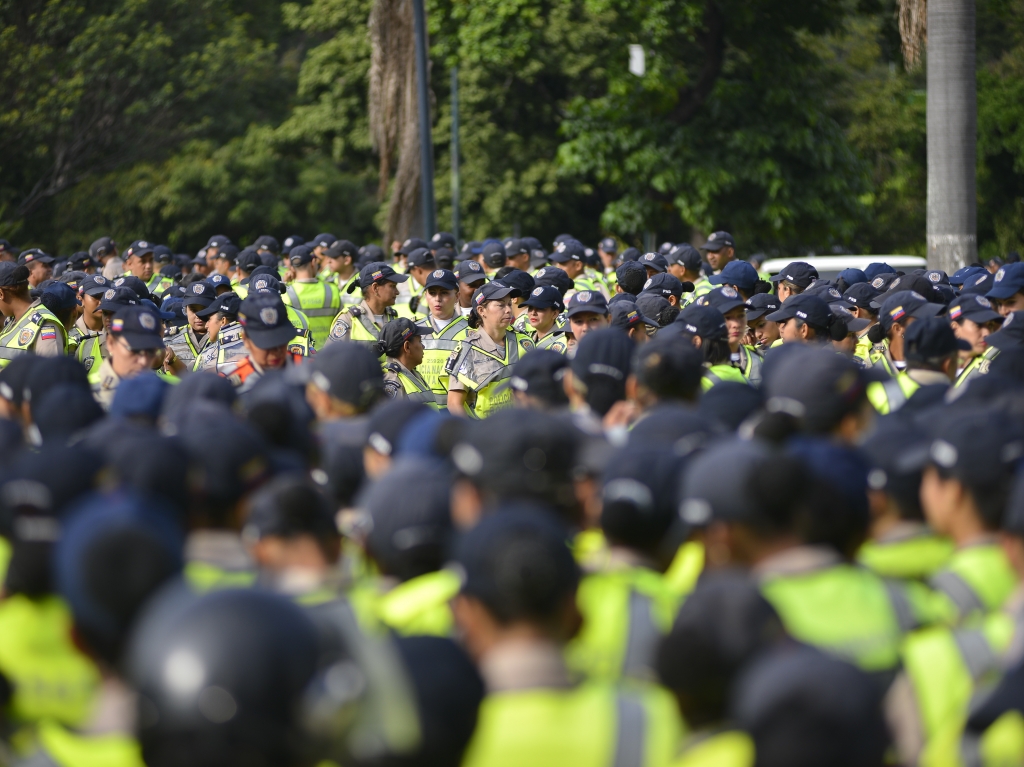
[573, 268]
[677, 271]
[736, 326]
[125, 361]
[90, 304]
[214, 324]
[1013, 304]
[940, 499]
[420, 273]
[441, 302]
[584, 322]
[541, 319]
[387, 292]
[974, 334]
[221, 266]
[520, 261]
[496, 313]
[197, 323]
[765, 333]
[39, 272]
[792, 332]
[782, 291]
[414, 351]
[339, 264]
[268, 358]
[721, 258]
[466, 291]
[141, 266]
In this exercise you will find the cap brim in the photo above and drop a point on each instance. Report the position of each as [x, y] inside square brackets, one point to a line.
[445, 285]
[756, 314]
[1003, 340]
[649, 322]
[713, 247]
[928, 310]
[728, 306]
[271, 338]
[505, 292]
[112, 306]
[780, 315]
[857, 325]
[397, 277]
[142, 341]
[205, 303]
[983, 316]
[1001, 293]
[96, 290]
[538, 304]
[602, 310]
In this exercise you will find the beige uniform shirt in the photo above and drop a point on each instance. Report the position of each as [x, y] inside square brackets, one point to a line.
[103, 391]
[477, 366]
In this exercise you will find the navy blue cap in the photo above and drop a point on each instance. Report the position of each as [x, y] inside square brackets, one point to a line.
[218, 241]
[664, 284]
[826, 291]
[12, 274]
[249, 259]
[5, 246]
[937, 277]
[654, 261]
[717, 241]
[973, 307]
[639, 496]
[871, 271]
[411, 244]
[606, 352]
[300, 255]
[717, 486]
[470, 271]
[552, 275]
[739, 274]
[266, 242]
[349, 372]
[978, 447]
[626, 315]
[860, 294]
[59, 297]
[704, 321]
[139, 248]
[291, 241]
[494, 255]
[978, 284]
[493, 291]
[883, 281]
[629, 254]
[816, 386]
[544, 297]
[265, 281]
[1010, 335]
[800, 273]
[140, 326]
[343, 248]
[228, 251]
[516, 247]
[117, 298]
[609, 245]
[631, 277]
[1009, 280]
[265, 319]
[33, 255]
[905, 303]
[761, 304]
[960, 276]
[540, 375]
[240, 461]
[442, 239]
[686, 256]
[199, 294]
[809, 308]
[133, 282]
[226, 303]
[568, 250]
[81, 260]
[656, 308]
[142, 395]
[853, 276]
[377, 272]
[931, 339]
[725, 299]
[323, 240]
[420, 257]
[288, 506]
[666, 247]
[587, 301]
[917, 283]
[520, 280]
[442, 278]
[395, 333]
[217, 281]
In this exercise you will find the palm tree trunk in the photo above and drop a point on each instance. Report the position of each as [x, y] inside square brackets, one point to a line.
[952, 129]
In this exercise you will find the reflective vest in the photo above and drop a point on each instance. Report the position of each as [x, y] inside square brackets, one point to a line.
[488, 395]
[91, 353]
[625, 613]
[977, 580]
[843, 609]
[405, 301]
[919, 555]
[731, 748]
[20, 337]
[51, 677]
[750, 364]
[319, 301]
[186, 347]
[715, 374]
[204, 576]
[418, 606]
[890, 396]
[437, 347]
[591, 725]
[60, 748]
[879, 357]
[1000, 745]
[686, 567]
[299, 320]
[978, 366]
[700, 288]
[556, 340]
[362, 328]
[347, 298]
[415, 388]
[158, 284]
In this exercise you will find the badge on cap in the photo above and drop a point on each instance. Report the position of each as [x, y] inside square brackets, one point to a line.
[119, 282]
[560, 248]
[436, 238]
[934, 277]
[99, 279]
[729, 292]
[260, 284]
[147, 321]
[268, 315]
[583, 297]
[109, 295]
[982, 301]
[143, 244]
[999, 275]
[537, 291]
[198, 287]
[878, 282]
[439, 273]
[473, 266]
[834, 293]
[649, 257]
[647, 284]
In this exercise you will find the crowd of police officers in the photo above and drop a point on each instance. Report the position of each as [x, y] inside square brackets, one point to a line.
[308, 503]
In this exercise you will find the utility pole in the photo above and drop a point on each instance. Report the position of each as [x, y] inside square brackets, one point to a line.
[426, 142]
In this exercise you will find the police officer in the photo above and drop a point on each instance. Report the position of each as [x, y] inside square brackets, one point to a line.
[447, 328]
[684, 263]
[803, 318]
[568, 256]
[706, 328]
[731, 303]
[543, 307]
[185, 347]
[586, 311]
[264, 280]
[720, 249]
[764, 332]
[134, 342]
[138, 261]
[931, 351]
[89, 324]
[246, 263]
[39, 265]
[739, 275]
[653, 263]
[973, 320]
[471, 276]
[93, 351]
[1007, 293]
[344, 382]
[29, 327]
[224, 333]
[419, 265]
[363, 323]
[401, 341]
[483, 361]
[537, 381]
[266, 335]
[339, 267]
[319, 300]
[220, 256]
[626, 316]
[794, 279]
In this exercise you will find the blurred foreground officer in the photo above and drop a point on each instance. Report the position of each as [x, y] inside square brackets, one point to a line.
[363, 323]
[134, 342]
[266, 333]
[483, 362]
[448, 327]
[973, 320]
[401, 341]
[724, 625]
[537, 381]
[516, 612]
[29, 327]
[627, 605]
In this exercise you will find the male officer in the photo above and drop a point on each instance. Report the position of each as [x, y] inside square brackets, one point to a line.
[29, 327]
[419, 265]
[224, 333]
[362, 323]
[185, 347]
[447, 328]
[266, 332]
[89, 324]
[39, 264]
[339, 267]
[1007, 293]
[138, 262]
[319, 300]
[135, 339]
[721, 249]
[568, 257]
[401, 341]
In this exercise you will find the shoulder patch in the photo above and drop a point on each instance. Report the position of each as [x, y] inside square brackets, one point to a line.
[296, 349]
[526, 343]
[25, 336]
[392, 389]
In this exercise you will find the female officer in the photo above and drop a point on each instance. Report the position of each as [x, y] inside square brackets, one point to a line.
[483, 361]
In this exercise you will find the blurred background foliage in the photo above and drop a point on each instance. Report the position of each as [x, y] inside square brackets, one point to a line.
[791, 123]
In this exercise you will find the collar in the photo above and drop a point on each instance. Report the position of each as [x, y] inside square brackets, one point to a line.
[797, 561]
[223, 548]
[905, 531]
[524, 664]
[928, 377]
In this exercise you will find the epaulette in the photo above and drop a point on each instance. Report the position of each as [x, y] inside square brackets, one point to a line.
[393, 367]
[36, 317]
[355, 311]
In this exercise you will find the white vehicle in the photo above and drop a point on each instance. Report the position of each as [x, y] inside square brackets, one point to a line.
[829, 267]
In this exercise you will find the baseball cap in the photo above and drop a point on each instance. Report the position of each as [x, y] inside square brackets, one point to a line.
[654, 261]
[540, 375]
[300, 255]
[516, 247]
[518, 279]
[978, 284]
[218, 281]
[882, 282]
[552, 275]
[412, 244]
[629, 254]
[343, 248]
[761, 304]
[606, 353]
[631, 277]
[717, 241]
[12, 274]
[656, 308]
[639, 496]
[227, 303]
[199, 294]
[442, 239]
[800, 273]
[102, 247]
[931, 339]
[420, 257]
[395, 333]
[978, 447]
[686, 256]
[936, 277]
[60, 297]
[861, 294]
[873, 270]
[134, 283]
[609, 245]
[115, 299]
[162, 254]
[218, 241]
[139, 248]
[265, 319]
[140, 326]
[377, 272]
[725, 299]
[717, 483]
[287, 506]
[809, 308]
[853, 276]
[442, 278]
[587, 301]
[917, 283]
[493, 291]
[626, 315]
[665, 284]
[1010, 335]
[1008, 281]
[200, 259]
[816, 386]
[291, 241]
[349, 372]
[973, 307]
[960, 276]
[266, 242]
[33, 255]
[227, 251]
[544, 297]
[494, 255]
[704, 321]
[470, 271]
[248, 260]
[905, 303]
[323, 240]
[568, 250]
[740, 274]
[81, 260]
[72, 278]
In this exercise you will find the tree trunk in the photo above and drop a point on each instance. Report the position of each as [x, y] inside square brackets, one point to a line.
[952, 128]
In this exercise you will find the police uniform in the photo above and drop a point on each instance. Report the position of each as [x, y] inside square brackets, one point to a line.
[37, 332]
[243, 373]
[479, 367]
[402, 383]
[357, 323]
[750, 362]
[319, 301]
[158, 284]
[81, 334]
[228, 347]
[437, 348]
[715, 374]
[105, 386]
[187, 346]
[266, 324]
[978, 366]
